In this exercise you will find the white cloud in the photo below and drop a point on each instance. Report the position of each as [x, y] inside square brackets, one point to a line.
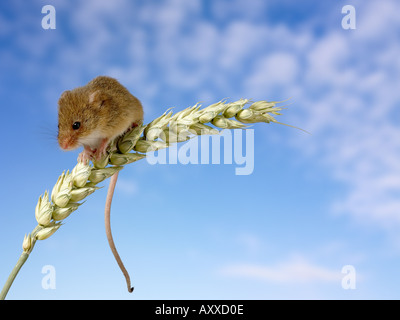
[250, 242]
[346, 90]
[238, 41]
[128, 187]
[4, 25]
[376, 18]
[326, 60]
[353, 127]
[278, 69]
[228, 9]
[297, 270]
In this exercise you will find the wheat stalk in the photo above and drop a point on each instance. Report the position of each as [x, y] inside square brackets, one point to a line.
[73, 187]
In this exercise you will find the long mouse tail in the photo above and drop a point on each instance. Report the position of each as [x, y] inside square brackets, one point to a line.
[107, 211]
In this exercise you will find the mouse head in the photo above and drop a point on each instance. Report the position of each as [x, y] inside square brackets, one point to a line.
[79, 116]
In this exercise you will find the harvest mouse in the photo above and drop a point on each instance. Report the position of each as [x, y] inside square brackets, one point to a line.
[93, 116]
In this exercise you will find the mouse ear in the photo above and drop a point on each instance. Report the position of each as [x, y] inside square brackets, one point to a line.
[61, 101]
[97, 98]
[65, 94]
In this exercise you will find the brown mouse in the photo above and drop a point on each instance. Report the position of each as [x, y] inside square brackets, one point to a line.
[93, 116]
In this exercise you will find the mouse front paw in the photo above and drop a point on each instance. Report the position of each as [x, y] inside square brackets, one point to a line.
[101, 151]
[85, 156]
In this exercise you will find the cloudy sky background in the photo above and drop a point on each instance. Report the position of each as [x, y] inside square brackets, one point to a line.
[314, 203]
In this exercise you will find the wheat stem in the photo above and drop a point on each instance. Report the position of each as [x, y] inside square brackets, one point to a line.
[23, 257]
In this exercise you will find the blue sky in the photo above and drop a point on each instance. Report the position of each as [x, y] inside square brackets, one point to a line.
[313, 204]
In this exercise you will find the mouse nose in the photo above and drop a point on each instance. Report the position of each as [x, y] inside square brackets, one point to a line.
[65, 144]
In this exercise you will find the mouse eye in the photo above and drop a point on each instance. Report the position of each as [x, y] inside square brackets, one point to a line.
[76, 125]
